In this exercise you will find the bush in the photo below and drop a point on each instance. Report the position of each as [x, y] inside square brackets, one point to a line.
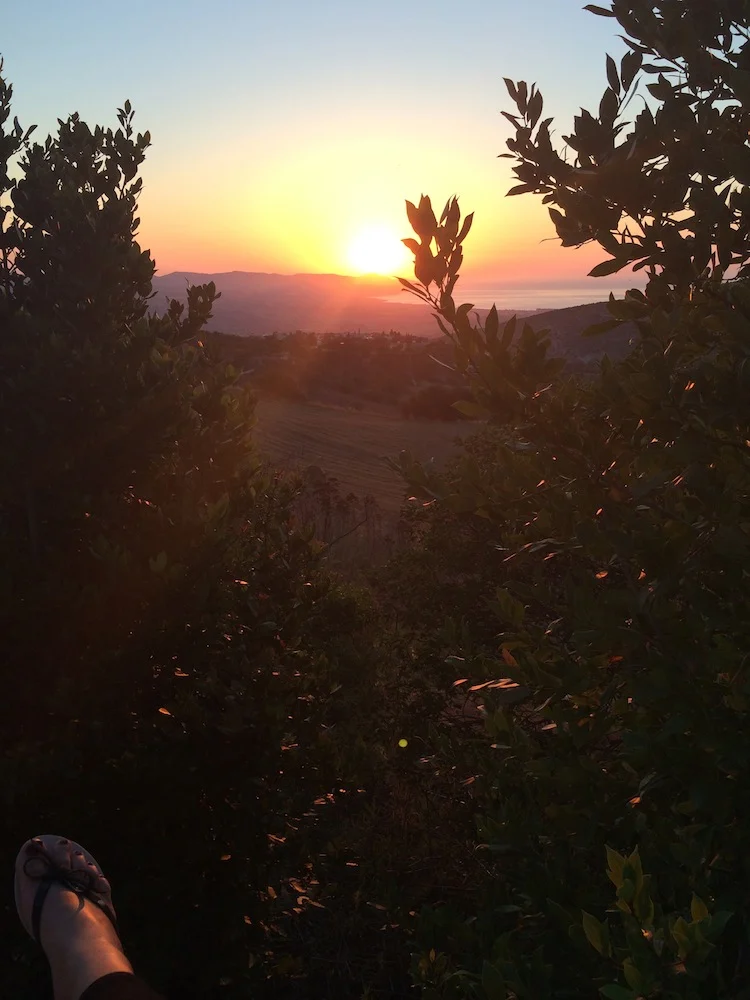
[608, 525]
[166, 629]
[435, 402]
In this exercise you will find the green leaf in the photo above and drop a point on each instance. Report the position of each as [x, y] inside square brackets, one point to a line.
[681, 935]
[615, 863]
[643, 906]
[596, 933]
[633, 862]
[698, 909]
[470, 409]
[718, 922]
[509, 608]
[633, 977]
[493, 982]
[615, 992]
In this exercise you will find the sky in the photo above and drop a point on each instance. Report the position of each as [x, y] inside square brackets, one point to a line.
[284, 133]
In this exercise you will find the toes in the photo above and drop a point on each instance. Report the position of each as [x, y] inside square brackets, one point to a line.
[101, 885]
[82, 861]
[58, 850]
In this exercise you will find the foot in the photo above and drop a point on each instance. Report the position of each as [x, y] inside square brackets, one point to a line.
[78, 938]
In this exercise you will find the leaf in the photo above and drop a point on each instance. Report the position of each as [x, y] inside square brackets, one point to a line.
[615, 992]
[643, 905]
[681, 935]
[511, 88]
[631, 63]
[607, 267]
[601, 11]
[604, 327]
[510, 609]
[608, 107]
[509, 658]
[470, 409]
[493, 983]
[508, 331]
[718, 923]
[615, 864]
[491, 326]
[596, 933]
[698, 909]
[534, 110]
[633, 863]
[413, 215]
[465, 228]
[612, 77]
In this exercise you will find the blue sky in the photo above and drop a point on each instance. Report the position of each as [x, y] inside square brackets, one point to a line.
[281, 129]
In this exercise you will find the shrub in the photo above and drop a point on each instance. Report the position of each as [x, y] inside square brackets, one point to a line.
[166, 630]
[611, 526]
[435, 402]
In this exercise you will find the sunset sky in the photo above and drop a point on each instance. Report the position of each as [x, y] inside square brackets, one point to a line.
[282, 131]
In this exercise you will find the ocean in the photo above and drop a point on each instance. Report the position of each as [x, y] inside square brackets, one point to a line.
[484, 296]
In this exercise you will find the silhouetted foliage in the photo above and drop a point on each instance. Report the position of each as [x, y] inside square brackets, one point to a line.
[166, 644]
[602, 532]
[435, 402]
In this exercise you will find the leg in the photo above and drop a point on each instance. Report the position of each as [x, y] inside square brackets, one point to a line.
[79, 939]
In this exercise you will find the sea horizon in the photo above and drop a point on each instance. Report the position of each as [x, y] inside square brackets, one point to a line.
[526, 298]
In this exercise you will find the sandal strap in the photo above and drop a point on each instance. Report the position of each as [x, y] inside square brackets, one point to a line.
[81, 886]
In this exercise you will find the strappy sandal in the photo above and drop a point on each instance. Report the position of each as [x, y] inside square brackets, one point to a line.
[39, 866]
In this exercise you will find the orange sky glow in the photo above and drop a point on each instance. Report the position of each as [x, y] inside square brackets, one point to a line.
[288, 130]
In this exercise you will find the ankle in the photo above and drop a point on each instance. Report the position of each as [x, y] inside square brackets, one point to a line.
[80, 963]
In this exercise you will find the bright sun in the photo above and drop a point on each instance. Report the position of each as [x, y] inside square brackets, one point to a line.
[377, 250]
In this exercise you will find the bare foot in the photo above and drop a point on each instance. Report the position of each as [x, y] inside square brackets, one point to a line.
[78, 938]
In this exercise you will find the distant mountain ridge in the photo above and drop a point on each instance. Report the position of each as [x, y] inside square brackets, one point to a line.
[256, 303]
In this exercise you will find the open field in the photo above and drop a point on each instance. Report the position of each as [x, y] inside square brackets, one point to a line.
[351, 445]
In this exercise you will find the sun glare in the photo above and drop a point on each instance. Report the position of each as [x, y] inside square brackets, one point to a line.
[377, 250]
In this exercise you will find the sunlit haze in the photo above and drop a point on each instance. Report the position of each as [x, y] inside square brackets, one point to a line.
[287, 136]
[378, 250]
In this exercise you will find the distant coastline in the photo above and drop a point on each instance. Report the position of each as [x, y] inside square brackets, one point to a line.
[526, 299]
[254, 303]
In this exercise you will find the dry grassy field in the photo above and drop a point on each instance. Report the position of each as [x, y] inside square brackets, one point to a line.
[351, 445]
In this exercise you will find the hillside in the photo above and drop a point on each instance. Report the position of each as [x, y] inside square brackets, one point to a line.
[254, 304]
[352, 446]
[566, 325]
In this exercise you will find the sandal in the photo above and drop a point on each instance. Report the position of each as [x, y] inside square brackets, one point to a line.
[34, 862]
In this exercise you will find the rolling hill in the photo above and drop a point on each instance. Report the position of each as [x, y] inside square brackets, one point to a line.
[253, 304]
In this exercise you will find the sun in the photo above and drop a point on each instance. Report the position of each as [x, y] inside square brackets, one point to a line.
[377, 250]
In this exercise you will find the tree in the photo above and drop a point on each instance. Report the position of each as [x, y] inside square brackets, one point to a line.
[615, 518]
[164, 619]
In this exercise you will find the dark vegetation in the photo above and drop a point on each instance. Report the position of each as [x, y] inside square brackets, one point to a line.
[515, 764]
[390, 369]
